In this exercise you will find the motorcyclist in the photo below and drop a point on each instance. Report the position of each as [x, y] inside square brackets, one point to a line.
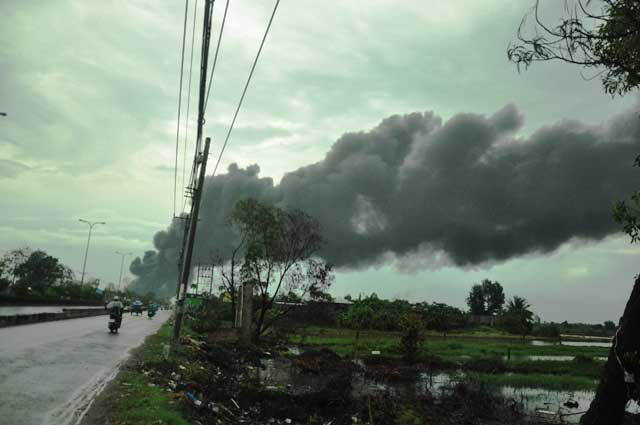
[116, 308]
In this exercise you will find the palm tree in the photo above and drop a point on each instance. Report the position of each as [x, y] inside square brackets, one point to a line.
[518, 316]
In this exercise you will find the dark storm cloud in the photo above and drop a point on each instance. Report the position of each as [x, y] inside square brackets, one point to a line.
[466, 187]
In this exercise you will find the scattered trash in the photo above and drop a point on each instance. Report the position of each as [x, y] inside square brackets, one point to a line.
[182, 367]
[193, 399]
[375, 352]
[235, 404]
[572, 404]
[288, 421]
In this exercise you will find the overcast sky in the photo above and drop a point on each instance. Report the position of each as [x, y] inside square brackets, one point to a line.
[90, 89]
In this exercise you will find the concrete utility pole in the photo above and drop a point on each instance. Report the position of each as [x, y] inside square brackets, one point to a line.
[199, 167]
[86, 251]
[123, 254]
[188, 252]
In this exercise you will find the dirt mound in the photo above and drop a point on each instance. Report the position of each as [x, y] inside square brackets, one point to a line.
[320, 361]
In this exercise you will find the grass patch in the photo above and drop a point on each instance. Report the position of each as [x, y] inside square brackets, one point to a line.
[132, 398]
[537, 380]
[139, 403]
[344, 341]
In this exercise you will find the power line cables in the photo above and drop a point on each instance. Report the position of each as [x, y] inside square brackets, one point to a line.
[215, 56]
[175, 173]
[186, 131]
[246, 86]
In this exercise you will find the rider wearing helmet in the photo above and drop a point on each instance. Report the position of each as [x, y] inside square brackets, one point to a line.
[115, 303]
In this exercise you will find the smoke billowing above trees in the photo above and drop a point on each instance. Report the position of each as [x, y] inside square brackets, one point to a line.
[414, 187]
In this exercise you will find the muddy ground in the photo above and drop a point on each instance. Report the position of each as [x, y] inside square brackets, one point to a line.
[225, 383]
[218, 381]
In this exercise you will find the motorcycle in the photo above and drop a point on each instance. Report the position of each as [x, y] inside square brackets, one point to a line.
[115, 320]
[151, 311]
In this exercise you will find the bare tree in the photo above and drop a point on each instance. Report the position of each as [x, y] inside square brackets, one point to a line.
[279, 256]
[605, 39]
[230, 271]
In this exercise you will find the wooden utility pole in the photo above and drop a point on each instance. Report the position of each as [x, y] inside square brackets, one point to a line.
[199, 168]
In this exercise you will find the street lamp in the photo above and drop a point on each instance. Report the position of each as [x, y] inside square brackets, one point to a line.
[123, 254]
[86, 251]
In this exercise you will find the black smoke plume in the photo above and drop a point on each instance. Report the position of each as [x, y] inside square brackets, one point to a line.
[414, 186]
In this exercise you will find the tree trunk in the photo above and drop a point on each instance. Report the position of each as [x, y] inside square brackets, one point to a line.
[612, 394]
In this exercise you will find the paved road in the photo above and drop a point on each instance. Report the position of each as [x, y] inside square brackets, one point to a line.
[50, 372]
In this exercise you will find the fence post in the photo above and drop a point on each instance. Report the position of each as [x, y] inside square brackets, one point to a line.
[247, 311]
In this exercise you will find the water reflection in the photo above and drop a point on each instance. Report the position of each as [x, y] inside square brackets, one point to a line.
[279, 374]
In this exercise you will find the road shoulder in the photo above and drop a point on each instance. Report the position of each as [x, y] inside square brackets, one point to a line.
[132, 397]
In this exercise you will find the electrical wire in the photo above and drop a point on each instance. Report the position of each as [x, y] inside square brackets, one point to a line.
[215, 56]
[175, 173]
[186, 131]
[246, 86]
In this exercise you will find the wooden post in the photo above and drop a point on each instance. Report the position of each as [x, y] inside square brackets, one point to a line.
[247, 312]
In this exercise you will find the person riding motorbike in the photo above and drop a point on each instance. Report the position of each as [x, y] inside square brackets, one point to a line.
[151, 310]
[116, 309]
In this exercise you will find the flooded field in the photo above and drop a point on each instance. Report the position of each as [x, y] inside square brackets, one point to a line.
[281, 374]
[586, 343]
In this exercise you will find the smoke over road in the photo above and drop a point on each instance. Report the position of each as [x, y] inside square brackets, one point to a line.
[466, 188]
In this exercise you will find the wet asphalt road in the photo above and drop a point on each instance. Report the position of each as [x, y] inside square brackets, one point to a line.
[50, 372]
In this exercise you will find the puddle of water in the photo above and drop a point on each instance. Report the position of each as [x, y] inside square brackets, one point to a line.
[586, 343]
[594, 343]
[280, 374]
[541, 358]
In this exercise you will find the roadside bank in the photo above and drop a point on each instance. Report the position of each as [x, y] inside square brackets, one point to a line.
[70, 313]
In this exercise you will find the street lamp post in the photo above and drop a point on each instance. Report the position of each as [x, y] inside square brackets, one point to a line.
[86, 251]
[123, 254]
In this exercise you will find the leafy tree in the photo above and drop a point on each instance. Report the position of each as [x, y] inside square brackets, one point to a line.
[38, 272]
[476, 301]
[546, 330]
[290, 297]
[518, 317]
[318, 295]
[494, 296]
[609, 325]
[441, 317]
[411, 334]
[347, 297]
[486, 298]
[374, 313]
[279, 255]
[627, 212]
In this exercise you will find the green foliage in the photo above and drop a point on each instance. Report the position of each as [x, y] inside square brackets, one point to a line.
[411, 334]
[475, 300]
[546, 330]
[408, 417]
[486, 298]
[39, 272]
[441, 317]
[374, 313]
[627, 213]
[518, 318]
